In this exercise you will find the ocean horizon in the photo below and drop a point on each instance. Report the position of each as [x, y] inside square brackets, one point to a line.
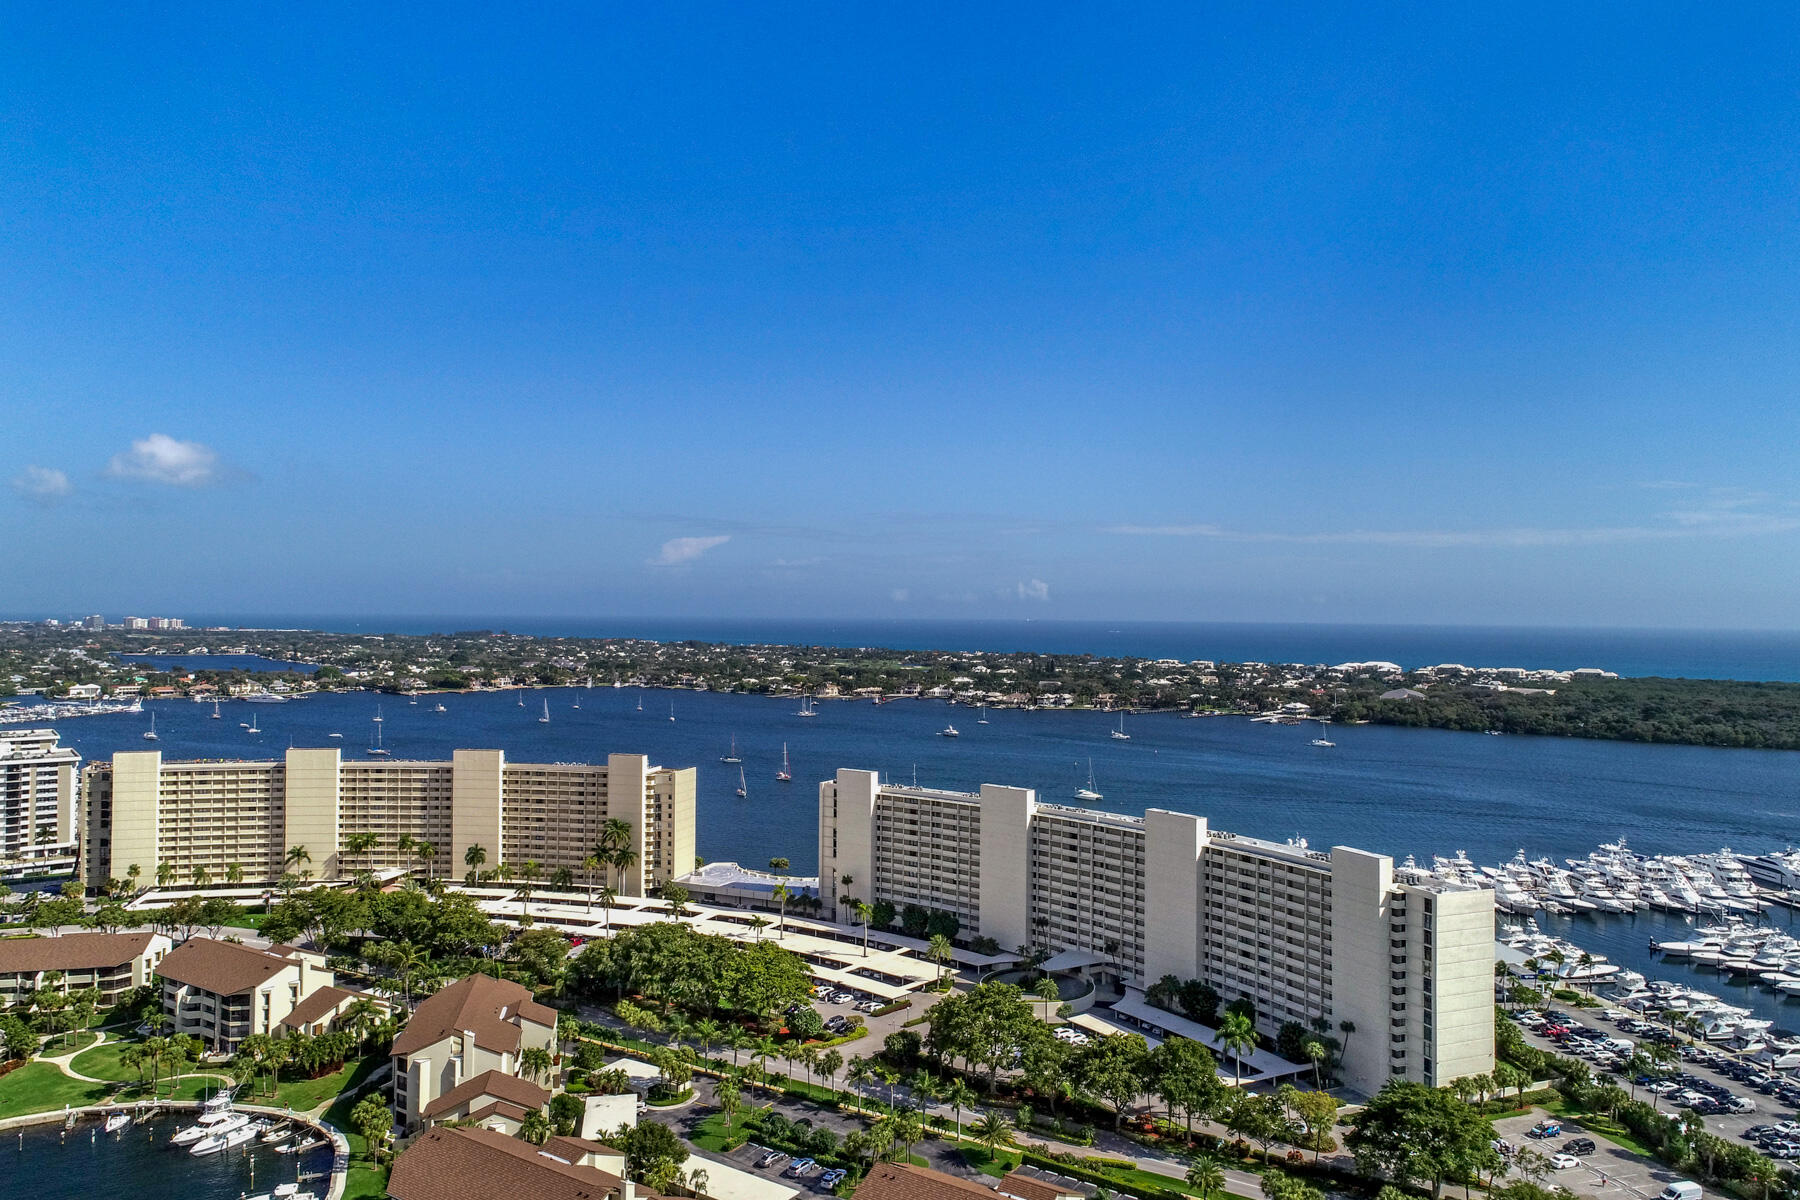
[1755, 655]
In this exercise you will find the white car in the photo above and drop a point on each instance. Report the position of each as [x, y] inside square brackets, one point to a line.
[1562, 1162]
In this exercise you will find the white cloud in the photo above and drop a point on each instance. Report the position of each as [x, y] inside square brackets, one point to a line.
[680, 550]
[46, 485]
[160, 458]
[1037, 589]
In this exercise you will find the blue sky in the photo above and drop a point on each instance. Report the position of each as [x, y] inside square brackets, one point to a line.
[1206, 312]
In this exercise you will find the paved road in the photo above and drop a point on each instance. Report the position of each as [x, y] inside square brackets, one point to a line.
[1611, 1172]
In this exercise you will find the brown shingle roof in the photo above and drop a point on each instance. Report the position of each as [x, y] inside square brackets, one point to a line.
[223, 968]
[475, 1003]
[1026, 1188]
[497, 1084]
[900, 1181]
[479, 1164]
[71, 951]
[316, 1006]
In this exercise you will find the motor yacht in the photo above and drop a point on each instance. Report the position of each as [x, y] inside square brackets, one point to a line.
[209, 1125]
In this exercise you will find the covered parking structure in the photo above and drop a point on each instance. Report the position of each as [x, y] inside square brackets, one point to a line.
[1138, 1015]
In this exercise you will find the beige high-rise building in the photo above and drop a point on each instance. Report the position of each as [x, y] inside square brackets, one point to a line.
[37, 804]
[1305, 935]
[139, 810]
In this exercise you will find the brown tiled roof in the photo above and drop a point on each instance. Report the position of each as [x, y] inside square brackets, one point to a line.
[475, 1003]
[497, 1084]
[71, 951]
[316, 1006]
[1026, 1188]
[577, 1145]
[511, 1112]
[479, 1164]
[223, 968]
[900, 1181]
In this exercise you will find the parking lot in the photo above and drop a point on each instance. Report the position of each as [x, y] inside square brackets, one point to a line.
[1610, 1171]
[1705, 1076]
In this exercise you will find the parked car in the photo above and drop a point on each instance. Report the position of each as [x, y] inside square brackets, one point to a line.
[773, 1158]
[832, 1178]
[1545, 1129]
[801, 1166]
[1562, 1162]
[1578, 1146]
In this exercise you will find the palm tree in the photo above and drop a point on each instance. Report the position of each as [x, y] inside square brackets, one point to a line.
[865, 913]
[534, 1062]
[607, 899]
[165, 874]
[940, 951]
[590, 867]
[234, 873]
[764, 1049]
[993, 1131]
[1206, 1177]
[1237, 1034]
[729, 1097]
[473, 858]
[959, 1095]
[697, 1179]
[425, 852]
[528, 874]
[706, 1032]
[131, 875]
[624, 858]
[781, 866]
[829, 1064]
[295, 856]
[1315, 1050]
[201, 876]
[758, 923]
[364, 844]
[562, 878]
[861, 1071]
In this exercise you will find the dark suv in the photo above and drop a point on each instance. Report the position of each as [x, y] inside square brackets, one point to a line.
[1578, 1146]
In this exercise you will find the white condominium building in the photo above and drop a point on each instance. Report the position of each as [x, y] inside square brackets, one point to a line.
[37, 804]
[139, 810]
[1405, 958]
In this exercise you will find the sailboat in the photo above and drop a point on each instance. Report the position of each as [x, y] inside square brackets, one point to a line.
[577, 703]
[251, 727]
[215, 710]
[785, 775]
[376, 748]
[806, 708]
[1119, 734]
[378, 714]
[1088, 792]
[545, 719]
[521, 701]
[733, 756]
[671, 710]
[949, 731]
[150, 733]
[640, 700]
[984, 719]
[743, 787]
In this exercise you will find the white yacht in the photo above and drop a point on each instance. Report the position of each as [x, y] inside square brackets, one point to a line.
[227, 1139]
[116, 1121]
[806, 708]
[786, 774]
[545, 719]
[150, 733]
[949, 731]
[1119, 734]
[743, 787]
[1088, 792]
[732, 757]
[210, 1124]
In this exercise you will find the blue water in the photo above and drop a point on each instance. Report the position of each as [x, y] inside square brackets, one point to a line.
[1694, 654]
[43, 1163]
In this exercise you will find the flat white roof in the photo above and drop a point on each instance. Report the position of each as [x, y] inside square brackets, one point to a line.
[726, 1182]
[1258, 1064]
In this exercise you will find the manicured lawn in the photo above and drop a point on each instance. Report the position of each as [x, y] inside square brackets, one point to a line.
[40, 1087]
[363, 1182]
[989, 1164]
[711, 1134]
[304, 1095]
[1601, 1126]
[103, 1062]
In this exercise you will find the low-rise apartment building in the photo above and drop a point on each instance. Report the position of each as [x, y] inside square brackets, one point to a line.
[299, 813]
[222, 992]
[115, 963]
[37, 804]
[475, 1026]
[1304, 934]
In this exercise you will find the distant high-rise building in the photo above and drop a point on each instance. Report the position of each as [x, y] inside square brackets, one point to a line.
[137, 623]
[140, 810]
[167, 623]
[37, 804]
[94, 622]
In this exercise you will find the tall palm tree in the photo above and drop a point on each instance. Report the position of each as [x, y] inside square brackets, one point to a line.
[295, 856]
[1237, 1034]
[940, 951]
[364, 844]
[165, 874]
[865, 913]
[781, 866]
[624, 858]
[528, 873]
[729, 1097]
[234, 873]
[201, 876]
[590, 867]
[607, 899]
[473, 858]
[959, 1095]
[425, 852]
